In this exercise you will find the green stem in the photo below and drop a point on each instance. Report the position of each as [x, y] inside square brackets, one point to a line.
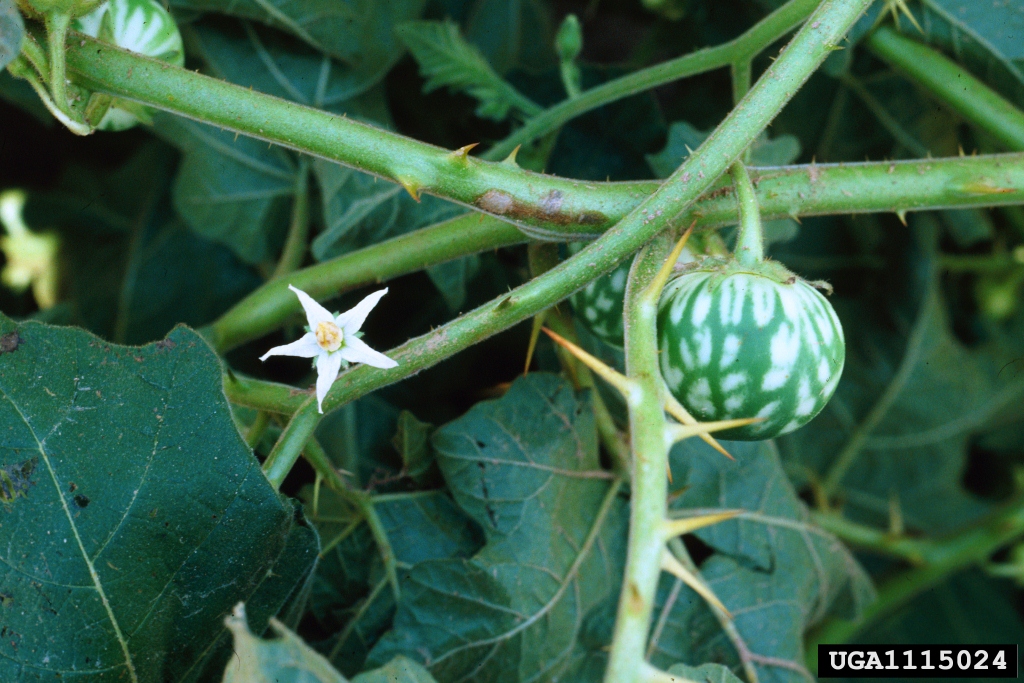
[940, 559]
[291, 443]
[257, 429]
[57, 25]
[665, 207]
[273, 304]
[362, 501]
[807, 190]
[985, 263]
[750, 240]
[298, 230]
[741, 78]
[764, 33]
[950, 83]
[649, 482]
[869, 538]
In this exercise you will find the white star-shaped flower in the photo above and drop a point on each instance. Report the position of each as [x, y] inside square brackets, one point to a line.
[333, 340]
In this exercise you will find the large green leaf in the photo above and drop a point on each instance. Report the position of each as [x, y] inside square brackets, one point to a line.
[143, 517]
[360, 33]
[446, 59]
[773, 569]
[12, 30]
[230, 189]
[525, 468]
[512, 33]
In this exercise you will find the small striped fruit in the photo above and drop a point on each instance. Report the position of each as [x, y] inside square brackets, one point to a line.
[749, 341]
[599, 304]
[141, 26]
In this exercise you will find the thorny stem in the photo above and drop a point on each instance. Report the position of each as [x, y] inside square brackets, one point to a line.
[649, 482]
[750, 241]
[743, 48]
[781, 192]
[953, 85]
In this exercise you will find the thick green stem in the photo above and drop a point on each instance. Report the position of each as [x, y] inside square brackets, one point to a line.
[750, 239]
[273, 304]
[743, 48]
[649, 482]
[665, 207]
[291, 443]
[953, 85]
[257, 429]
[57, 25]
[939, 559]
[298, 230]
[781, 192]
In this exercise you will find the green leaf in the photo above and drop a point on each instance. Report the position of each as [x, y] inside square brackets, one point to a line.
[777, 572]
[135, 271]
[360, 210]
[446, 59]
[12, 31]
[398, 670]
[683, 137]
[451, 279]
[273, 63]
[359, 33]
[231, 189]
[284, 659]
[982, 36]
[412, 441]
[525, 467]
[144, 509]
[705, 673]
[513, 34]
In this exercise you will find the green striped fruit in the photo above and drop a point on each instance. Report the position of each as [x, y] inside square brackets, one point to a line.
[141, 26]
[600, 303]
[749, 342]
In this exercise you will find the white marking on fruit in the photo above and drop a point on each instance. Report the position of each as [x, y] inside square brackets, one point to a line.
[619, 281]
[823, 371]
[699, 396]
[785, 347]
[734, 380]
[604, 303]
[703, 339]
[673, 375]
[763, 299]
[685, 355]
[807, 402]
[733, 403]
[740, 289]
[730, 351]
[774, 379]
[701, 308]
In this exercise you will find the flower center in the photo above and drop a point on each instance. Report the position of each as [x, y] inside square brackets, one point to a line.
[329, 336]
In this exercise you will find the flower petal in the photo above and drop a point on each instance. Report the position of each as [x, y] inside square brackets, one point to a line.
[303, 347]
[315, 313]
[351, 320]
[327, 367]
[355, 350]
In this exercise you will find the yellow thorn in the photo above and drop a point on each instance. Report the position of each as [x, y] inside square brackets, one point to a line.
[511, 158]
[687, 525]
[413, 188]
[538, 323]
[610, 375]
[681, 414]
[902, 215]
[896, 527]
[658, 283]
[677, 432]
[796, 218]
[674, 567]
[960, 149]
[461, 155]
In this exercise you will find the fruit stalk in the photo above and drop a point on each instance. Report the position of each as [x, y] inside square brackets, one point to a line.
[750, 240]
